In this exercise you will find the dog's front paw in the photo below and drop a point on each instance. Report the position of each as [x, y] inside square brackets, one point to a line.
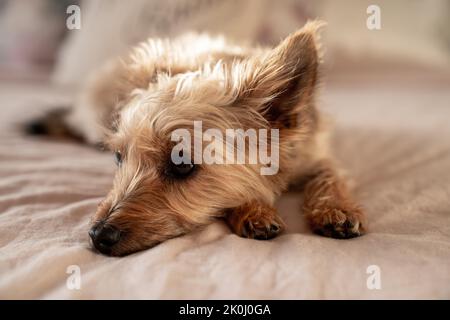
[338, 223]
[261, 229]
[255, 221]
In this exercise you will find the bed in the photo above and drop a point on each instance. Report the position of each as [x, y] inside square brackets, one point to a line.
[392, 136]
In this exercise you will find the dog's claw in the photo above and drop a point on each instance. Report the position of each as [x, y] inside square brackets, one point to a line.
[349, 228]
[259, 231]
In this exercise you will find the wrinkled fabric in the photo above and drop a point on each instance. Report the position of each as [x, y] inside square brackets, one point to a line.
[392, 140]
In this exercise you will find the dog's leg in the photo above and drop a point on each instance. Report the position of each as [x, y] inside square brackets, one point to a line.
[328, 206]
[53, 124]
[255, 220]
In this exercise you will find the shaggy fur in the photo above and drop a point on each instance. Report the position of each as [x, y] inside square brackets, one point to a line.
[133, 105]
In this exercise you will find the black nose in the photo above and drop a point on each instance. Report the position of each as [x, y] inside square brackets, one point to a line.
[104, 237]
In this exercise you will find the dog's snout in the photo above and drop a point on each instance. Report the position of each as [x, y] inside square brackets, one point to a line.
[104, 237]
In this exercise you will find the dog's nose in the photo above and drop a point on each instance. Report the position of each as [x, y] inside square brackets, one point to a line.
[104, 237]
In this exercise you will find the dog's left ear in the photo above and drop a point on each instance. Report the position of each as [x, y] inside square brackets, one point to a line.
[282, 82]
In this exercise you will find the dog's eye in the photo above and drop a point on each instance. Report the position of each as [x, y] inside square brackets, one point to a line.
[118, 158]
[181, 170]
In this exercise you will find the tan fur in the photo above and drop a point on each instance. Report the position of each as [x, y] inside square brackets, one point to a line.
[164, 85]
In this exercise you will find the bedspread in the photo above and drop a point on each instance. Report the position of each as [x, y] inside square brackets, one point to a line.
[393, 140]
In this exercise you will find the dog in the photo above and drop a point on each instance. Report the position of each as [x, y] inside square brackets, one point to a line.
[134, 104]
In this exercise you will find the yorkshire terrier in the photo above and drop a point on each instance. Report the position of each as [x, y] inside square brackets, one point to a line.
[134, 105]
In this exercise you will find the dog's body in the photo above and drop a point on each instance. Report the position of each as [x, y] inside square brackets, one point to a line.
[134, 105]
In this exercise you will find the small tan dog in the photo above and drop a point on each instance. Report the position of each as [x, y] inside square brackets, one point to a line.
[166, 85]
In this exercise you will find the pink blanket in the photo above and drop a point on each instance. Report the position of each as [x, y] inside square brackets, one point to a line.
[393, 139]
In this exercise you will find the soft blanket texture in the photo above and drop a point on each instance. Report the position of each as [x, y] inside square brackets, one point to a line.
[393, 139]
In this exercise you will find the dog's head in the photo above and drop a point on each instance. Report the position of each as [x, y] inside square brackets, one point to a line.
[155, 197]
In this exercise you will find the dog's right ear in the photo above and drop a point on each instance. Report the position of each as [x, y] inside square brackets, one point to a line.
[282, 82]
